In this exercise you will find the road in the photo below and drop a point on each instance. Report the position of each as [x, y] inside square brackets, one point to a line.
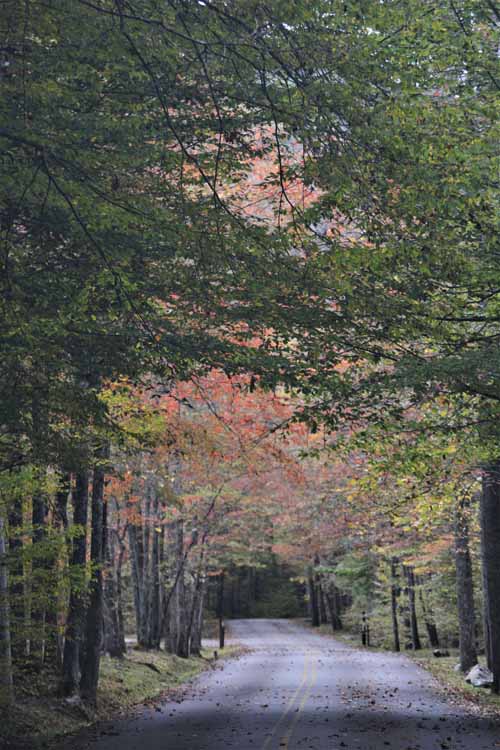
[297, 690]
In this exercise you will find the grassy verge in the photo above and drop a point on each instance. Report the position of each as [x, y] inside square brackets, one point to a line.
[39, 717]
[453, 683]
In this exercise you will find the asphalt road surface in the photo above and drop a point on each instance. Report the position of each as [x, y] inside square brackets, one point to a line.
[297, 690]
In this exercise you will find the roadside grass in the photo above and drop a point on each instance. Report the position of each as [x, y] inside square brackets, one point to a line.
[452, 683]
[39, 716]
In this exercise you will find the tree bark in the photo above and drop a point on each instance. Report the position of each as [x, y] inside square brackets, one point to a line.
[395, 590]
[146, 567]
[94, 621]
[177, 641]
[249, 592]
[485, 612]
[180, 595]
[321, 602]
[119, 590]
[6, 681]
[220, 607]
[137, 563]
[465, 588]
[332, 601]
[196, 639]
[313, 599]
[38, 577]
[490, 538]
[76, 611]
[430, 625]
[196, 617]
[154, 635]
[410, 579]
[114, 641]
[16, 582]
[55, 641]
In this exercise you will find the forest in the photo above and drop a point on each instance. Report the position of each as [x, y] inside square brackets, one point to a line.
[250, 321]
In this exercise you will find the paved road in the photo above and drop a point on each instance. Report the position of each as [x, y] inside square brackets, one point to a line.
[297, 690]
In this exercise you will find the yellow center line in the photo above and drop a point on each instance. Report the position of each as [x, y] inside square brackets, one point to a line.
[307, 692]
[290, 703]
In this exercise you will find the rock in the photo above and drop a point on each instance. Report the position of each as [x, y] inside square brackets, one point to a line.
[457, 667]
[479, 676]
[438, 652]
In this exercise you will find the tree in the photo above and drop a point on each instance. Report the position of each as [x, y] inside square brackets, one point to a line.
[6, 684]
[491, 565]
[134, 139]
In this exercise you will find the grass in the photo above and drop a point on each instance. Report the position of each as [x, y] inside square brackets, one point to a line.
[39, 716]
[453, 684]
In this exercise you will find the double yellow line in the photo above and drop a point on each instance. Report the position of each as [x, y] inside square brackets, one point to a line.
[286, 724]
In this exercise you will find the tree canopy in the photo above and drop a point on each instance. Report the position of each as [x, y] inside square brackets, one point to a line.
[250, 307]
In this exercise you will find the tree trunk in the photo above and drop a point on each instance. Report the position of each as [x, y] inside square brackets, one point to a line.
[176, 604]
[114, 639]
[220, 607]
[248, 608]
[321, 602]
[332, 602]
[137, 563]
[16, 582]
[94, 623]
[40, 580]
[197, 621]
[410, 578]
[55, 642]
[6, 682]
[430, 625]
[161, 577]
[485, 612]
[196, 618]
[146, 567]
[313, 599]
[465, 588]
[235, 594]
[154, 635]
[395, 590]
[181, 599]
[119, 593]
[76, 610]
[490, 538]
